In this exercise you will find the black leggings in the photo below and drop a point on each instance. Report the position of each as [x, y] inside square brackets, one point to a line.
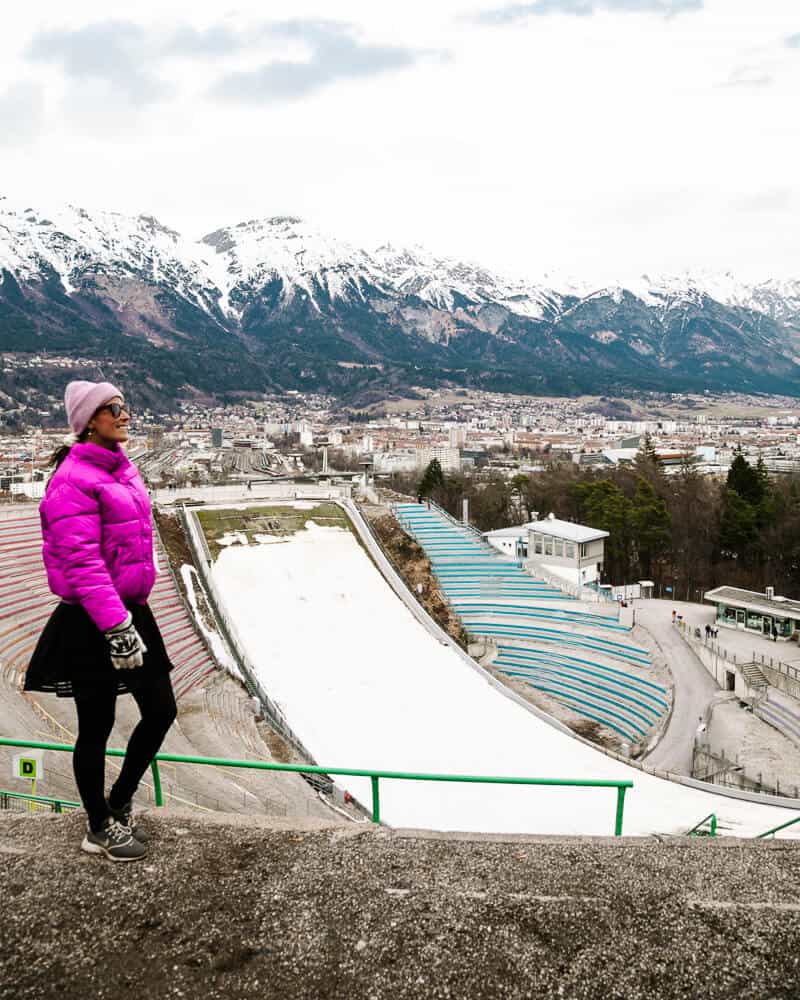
[96, 711]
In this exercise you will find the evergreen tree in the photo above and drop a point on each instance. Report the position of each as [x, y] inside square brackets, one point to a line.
[652, 526]
[766, 504]
[647, 465]
[605, 506]
[738, 526]
[432, 479]
[746, 480]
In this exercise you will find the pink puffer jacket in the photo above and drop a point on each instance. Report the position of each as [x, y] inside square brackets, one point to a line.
[98, 535]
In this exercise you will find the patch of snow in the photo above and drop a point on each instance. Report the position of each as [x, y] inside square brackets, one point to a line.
[233, 538]
[218, 647]
[268, 539]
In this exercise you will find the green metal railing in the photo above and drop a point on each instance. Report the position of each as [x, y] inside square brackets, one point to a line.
[374, 776]
[56, 805]
[774, 830]
[712, 830]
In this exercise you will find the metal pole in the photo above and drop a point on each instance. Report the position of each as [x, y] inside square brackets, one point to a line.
[620, 810]
[376, 801]
[156, 783]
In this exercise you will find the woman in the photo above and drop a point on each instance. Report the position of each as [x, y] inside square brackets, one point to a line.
[102, 639]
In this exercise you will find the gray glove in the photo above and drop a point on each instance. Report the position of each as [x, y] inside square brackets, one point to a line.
[127, 648]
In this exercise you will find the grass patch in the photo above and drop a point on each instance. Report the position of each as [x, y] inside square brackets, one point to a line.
[281, 521]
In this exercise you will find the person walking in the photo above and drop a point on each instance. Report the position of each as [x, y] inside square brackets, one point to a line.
[102, 640]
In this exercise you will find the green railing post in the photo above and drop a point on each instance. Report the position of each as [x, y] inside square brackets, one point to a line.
[620, 810]
[157, 783]
[376, 800]
[713, 824]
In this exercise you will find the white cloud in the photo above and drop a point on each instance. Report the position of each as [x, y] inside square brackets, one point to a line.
[334, 52]
[21, 112]
[511, 13]
[117, 53]
[594, 144]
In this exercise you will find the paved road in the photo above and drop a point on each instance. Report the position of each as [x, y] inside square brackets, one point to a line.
[694, 686]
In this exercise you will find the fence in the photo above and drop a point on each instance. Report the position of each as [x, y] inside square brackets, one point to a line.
[374, 776]
[289, 490]
[25, 801]
[715, 767]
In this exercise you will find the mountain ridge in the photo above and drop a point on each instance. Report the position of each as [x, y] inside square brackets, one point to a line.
[275, 303]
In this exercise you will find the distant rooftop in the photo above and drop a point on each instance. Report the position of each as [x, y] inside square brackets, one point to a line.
[752, 600]
[567, 530]
[519, 531]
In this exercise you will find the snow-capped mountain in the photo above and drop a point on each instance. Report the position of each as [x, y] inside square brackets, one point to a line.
[275, 302]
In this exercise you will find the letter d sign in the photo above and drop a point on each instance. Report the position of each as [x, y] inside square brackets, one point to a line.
[28, 766]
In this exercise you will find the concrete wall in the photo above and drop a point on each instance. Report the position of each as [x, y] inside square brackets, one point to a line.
[719, 668]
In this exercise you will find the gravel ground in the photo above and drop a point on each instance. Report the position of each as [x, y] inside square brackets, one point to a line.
[249, 908]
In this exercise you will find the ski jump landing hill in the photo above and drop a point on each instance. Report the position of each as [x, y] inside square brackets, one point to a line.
[367, 680]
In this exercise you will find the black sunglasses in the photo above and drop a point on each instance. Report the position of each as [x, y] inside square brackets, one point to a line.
[116, 408]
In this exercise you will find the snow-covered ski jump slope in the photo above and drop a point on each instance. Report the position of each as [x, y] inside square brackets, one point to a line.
[365, 685]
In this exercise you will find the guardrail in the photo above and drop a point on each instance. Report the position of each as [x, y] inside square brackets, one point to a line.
[775, 829]
[712, 830]
[56, 805]
[374, 776]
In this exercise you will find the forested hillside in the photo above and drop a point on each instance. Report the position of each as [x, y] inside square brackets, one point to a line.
[686, 531]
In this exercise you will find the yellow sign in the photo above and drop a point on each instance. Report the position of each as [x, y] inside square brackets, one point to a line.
[28, 767]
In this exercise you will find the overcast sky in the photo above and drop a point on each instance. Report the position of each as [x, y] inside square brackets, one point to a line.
[601, 138]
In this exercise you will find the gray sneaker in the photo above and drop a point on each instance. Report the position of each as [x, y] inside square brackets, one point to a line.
[115, 841]
[126, 817]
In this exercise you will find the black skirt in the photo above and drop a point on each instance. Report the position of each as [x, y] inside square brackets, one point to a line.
[72, 656]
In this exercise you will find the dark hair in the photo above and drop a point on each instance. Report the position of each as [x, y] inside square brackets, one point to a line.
[61, 453]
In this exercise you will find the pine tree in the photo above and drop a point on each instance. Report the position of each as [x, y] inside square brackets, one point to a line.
[605, 506]
[647, 465]
[652, 526]
[738, 526]
[432, 479]
[746, 480]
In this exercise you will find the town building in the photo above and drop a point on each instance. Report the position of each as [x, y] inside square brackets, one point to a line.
[751, 611]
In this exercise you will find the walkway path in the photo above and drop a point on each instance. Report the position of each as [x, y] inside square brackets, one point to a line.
[694, 687]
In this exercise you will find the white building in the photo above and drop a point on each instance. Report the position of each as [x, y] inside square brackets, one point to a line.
[457, 436]
[573, 552]
[449, 458]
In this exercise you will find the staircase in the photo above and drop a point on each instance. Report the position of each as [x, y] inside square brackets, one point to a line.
[781, 712]
[753, 676]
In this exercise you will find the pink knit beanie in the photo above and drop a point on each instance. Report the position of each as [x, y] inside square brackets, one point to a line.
[81, 399]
